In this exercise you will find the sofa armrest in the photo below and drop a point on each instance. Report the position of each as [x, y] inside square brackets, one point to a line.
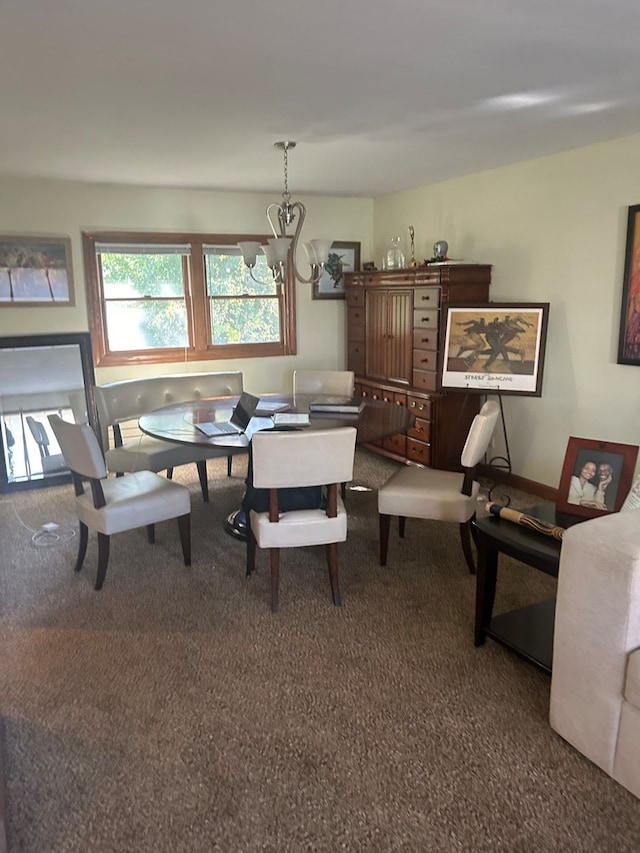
[597, 625]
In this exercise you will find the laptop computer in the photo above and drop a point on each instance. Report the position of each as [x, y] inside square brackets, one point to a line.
[239, 421]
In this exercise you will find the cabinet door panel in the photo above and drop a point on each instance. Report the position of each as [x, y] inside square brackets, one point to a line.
[400, 340]
[377, 333]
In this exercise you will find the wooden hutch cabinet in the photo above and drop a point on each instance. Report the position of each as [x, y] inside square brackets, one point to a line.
[394, 346]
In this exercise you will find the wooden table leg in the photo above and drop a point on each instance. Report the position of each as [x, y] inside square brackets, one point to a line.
[485, 585]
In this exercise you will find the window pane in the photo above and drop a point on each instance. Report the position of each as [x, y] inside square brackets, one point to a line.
[135, 325]
[244, 321]
[227, 275]
[139, 275]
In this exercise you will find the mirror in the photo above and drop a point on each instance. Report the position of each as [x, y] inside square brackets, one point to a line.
[41, 375]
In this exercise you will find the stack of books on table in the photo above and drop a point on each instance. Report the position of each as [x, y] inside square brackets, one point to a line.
[338, 405]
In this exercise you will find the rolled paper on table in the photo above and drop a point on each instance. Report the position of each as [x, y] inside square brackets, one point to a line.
[525, 520]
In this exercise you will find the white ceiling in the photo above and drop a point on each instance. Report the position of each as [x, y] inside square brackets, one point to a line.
[380, 94]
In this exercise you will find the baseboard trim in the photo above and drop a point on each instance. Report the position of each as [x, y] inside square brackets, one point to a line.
[548, 493]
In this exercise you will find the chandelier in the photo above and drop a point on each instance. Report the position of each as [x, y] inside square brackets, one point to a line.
[281, 216]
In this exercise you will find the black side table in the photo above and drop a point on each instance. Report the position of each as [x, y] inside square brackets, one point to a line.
[528, 631]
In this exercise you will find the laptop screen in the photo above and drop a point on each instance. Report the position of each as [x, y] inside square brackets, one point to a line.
[243, 412]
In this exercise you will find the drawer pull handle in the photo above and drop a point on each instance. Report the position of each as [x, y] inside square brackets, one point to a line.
[424, 361]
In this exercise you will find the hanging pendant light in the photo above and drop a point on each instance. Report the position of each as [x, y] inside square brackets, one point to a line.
[281, 216]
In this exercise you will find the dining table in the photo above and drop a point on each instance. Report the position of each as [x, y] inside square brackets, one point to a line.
[176, 422]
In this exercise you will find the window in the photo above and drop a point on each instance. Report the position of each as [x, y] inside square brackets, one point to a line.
[160, 298]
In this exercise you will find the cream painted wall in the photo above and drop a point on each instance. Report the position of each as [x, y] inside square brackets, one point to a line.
[554, 230]
[48, 208]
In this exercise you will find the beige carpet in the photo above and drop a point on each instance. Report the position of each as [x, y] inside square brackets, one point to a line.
[174, 712]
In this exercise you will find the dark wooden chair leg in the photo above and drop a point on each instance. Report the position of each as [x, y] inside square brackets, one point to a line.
[82, 546]
[169, 473]
[184, 526]
[204, 483]
[103, 558]
[465, 538]
[385, 526]
[343, 491]
[401, 525]
[251, 548]
[229, 460]
[332, 560]
[151, 534]
[275, 579]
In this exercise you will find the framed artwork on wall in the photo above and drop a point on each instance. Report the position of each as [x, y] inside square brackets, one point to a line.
[343, 257]
[495, 347]
[596, 477]
[36, 271]
[629, 339]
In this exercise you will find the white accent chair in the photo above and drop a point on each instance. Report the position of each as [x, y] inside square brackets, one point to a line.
[122, 402]
[595, 675]
[323, 382]
[439, 495]
[336, 382]
[283, 460]
[114, 505]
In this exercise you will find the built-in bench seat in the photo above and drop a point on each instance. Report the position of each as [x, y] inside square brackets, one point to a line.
[120, 404]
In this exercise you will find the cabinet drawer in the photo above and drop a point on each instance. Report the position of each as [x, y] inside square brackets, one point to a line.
[425, 339]
[426, 297]
[355, 358]
[420, 406]
[425, 318]
[426, 380]
[356, 325]
[371, 392]
[421, 430]
[418, 451]
[396, 397]
[396, 444]
[355, 297]
[424, 359]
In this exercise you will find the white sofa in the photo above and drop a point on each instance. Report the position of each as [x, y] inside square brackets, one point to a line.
[123, 402]
[595, 681]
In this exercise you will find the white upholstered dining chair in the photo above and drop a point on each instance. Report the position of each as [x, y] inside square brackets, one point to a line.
[286, 460]
[114, 505]
[323, 382]
[439, 495]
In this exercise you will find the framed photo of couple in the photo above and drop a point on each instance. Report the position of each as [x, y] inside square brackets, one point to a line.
[596, 477]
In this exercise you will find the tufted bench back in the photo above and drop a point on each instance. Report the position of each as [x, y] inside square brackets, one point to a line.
[128, 399]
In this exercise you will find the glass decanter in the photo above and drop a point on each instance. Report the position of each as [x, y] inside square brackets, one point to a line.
[394, 256]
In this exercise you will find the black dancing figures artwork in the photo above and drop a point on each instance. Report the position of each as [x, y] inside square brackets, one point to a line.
[495, 348]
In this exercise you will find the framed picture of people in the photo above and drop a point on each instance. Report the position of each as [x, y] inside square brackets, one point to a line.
[496, 347]
[596, 477]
